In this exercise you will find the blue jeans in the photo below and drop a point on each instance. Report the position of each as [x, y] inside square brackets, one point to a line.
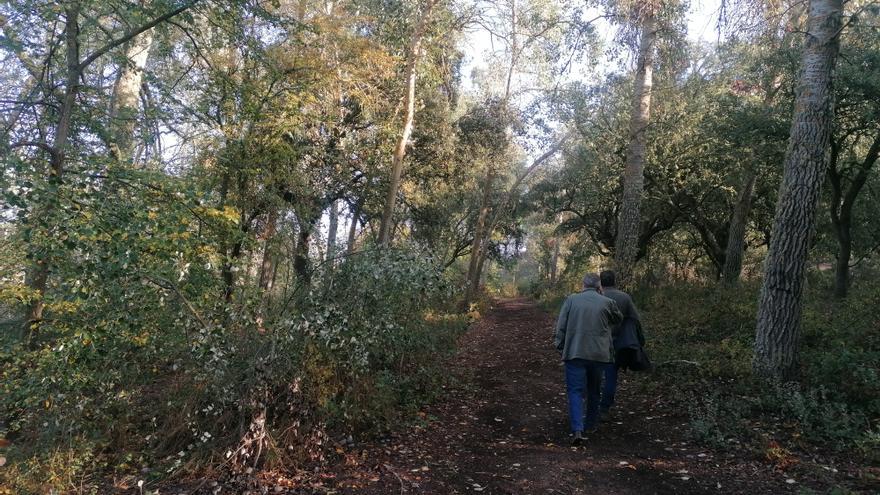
[583, 377]
[609, 387]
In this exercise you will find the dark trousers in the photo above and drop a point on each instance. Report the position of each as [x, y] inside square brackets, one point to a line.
[583, 380]
[610, 386]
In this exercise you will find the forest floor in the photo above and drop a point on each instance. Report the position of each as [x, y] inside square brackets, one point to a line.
[504, 430]
[501, 427]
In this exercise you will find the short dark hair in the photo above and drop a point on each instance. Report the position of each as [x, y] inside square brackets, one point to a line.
[608, 278]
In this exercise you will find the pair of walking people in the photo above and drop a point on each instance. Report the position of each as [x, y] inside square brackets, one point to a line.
[595, 326]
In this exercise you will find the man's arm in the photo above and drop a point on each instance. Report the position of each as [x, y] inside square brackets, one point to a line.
[614, 314]
[561, 324]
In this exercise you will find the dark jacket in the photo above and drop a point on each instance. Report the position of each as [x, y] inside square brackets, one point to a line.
[583, 330]
[629, 341]
[627, 333]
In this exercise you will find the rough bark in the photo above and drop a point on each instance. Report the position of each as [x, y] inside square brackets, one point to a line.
[413, 55]
[780, 303]
[124, 104]
[736, 235]
[626, 245]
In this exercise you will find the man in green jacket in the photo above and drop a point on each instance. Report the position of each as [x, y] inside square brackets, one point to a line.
[583, 336]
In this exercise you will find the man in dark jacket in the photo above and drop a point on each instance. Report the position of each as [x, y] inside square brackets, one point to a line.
[583, 336]
[625, 334]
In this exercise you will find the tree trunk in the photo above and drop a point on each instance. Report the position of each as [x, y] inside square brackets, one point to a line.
[266, 270]
[40, 271]
[331, 230]
[413, 55]
[842, 204]
[626, 244]
[554, 261]
[473, 273]
[736, 235]
[780, 305]
[352, 229]
[841, 275]
[124, 105]
[301, 263]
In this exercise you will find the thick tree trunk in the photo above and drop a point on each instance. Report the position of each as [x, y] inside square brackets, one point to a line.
[412, 63]
[780, 305]
[736, 235]
[124, 105]
[626, 244]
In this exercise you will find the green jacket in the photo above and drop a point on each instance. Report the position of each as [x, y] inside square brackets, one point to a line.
[583, 330]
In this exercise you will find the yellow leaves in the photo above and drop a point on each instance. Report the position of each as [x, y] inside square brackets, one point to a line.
[64, 307]
[141, 339]
[226, 214]
[17, 293]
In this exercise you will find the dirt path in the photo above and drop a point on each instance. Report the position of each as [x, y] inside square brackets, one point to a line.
[504, 429]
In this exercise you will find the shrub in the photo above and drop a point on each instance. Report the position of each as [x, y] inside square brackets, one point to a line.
[136, 378]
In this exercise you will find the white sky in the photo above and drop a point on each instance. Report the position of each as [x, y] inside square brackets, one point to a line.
[702, 22]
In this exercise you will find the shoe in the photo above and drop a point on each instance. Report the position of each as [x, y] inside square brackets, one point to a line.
[578, 439]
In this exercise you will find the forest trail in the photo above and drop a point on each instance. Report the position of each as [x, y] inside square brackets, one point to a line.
[502, 429]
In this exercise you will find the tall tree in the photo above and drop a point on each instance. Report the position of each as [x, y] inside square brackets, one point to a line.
[626, 244]
[780, 304]
[413, 55]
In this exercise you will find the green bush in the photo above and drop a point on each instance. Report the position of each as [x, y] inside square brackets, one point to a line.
[136, 379]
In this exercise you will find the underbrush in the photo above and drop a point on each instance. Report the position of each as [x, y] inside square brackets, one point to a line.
[137, 385]
[701, 339]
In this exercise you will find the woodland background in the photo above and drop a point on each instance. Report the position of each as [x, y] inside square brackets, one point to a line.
[233, 231]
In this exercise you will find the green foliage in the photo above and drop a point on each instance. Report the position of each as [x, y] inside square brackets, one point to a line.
[359, 352]
[373, 338]
[835, 403]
